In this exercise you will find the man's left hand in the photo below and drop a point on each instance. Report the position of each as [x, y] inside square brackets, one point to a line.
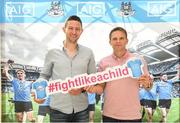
[146, 81]
[75, 91]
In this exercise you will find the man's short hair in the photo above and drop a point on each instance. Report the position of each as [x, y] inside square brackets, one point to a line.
[21, 70]
[117, 29]
[75, 18]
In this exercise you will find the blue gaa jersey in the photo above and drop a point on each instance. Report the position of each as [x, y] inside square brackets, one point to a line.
[164, 89]
[141, 93]
[92, 98]
[46, 102]
[22, 90]
[151, 94]
[135, 66]
[39, 87]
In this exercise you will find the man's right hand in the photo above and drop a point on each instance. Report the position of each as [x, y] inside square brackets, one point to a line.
[5, 70]
[146, 81]
[7, 66]
[39, 101]
[95, 88]
[10, 61]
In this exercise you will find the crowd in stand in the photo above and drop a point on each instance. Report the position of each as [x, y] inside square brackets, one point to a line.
[169, 66]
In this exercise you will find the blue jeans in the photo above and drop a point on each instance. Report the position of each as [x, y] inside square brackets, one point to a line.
[57, 116]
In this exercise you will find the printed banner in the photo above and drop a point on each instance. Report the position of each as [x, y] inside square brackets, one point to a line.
[48, 11]
[133, 68]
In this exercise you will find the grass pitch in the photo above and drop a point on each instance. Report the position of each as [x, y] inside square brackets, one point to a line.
[8, 114]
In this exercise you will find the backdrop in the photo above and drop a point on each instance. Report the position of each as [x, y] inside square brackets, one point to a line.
[29, 28]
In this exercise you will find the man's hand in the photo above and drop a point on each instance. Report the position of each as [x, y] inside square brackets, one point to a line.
[5, 70]
[10, 61]
[32, 94]
[39, 101]
[90, 89]
[95, 88]
[75, 91]
[146, 81]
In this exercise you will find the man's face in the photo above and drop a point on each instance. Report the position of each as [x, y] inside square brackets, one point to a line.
[164, 77]
[118, 41]
[73, 31]
[21, 75]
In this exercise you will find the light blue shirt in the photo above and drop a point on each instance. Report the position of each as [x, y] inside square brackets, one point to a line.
[46, 102]
[149, 94]
[141, 93]
[22, 90]
[164, 89]
[92, 98]
[40, 89]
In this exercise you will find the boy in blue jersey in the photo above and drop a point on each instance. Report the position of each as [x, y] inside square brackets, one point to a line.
[43, 110]
[91, 106]
[39, 93]
[22, 95]
[164, 88]
[150, 101]
[141, 97]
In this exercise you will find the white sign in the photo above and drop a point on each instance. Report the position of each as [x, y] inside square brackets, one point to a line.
[91, 9]
[19, 9]
[161, 8]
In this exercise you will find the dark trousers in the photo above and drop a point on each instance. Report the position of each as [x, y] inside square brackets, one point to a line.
[57, 116]
[109, 119]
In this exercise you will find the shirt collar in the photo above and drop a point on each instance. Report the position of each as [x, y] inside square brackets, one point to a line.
[123, 57]
[64, 49]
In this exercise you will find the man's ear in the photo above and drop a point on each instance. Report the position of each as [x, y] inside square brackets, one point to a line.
[82, 31]
[63, 29]
[110, 42]
[127, 41]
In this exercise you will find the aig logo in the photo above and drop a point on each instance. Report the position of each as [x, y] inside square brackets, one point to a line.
[19, 9]
[161, 8]
[91, 9]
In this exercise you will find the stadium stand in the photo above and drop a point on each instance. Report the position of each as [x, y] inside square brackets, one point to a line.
[32, 73]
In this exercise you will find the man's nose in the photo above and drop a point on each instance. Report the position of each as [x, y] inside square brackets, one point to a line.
[119, 40]
[74, 31]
